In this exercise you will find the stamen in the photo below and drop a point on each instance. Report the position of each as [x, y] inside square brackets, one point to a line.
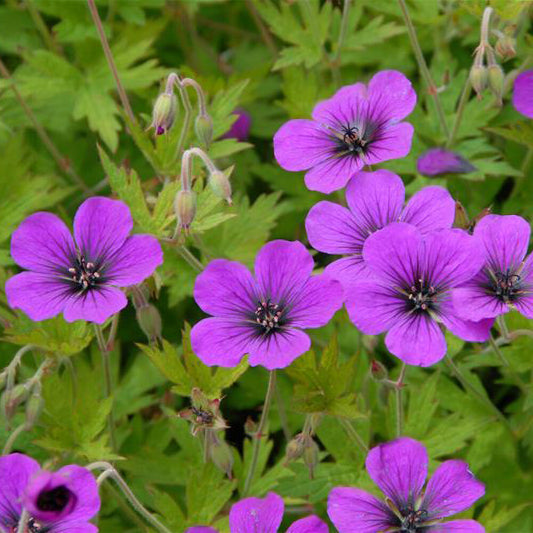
[268, 315]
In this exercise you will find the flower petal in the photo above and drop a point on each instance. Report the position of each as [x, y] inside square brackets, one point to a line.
[348, 270]
[69, 526]
[375, 199]
[43, 243]
[459, 526]
[468, 330]
[332, 229]
[16, 470]
[333, 173]
[473, 302]
[310, 524]
[399, 468]
[200, 529]
[95, 305]
[261, 515]
[135, 261]
[221, 341]
[523, 93]
[438, 161]
[279, 348]
[393, 142]
[430, 209]
[319, 299]
[82, 483]
[451, 489]
[301, 144]
[505, 239]
[391, 92]
[356, 511]
[343, 107]
[281, 269]
[40, 296]
[416, 340]
[101, 226]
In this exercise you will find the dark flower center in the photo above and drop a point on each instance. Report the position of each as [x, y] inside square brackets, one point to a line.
[506, 286]
[32, 526]
[268, 315]
[54, 500]
[353, 140]
[412, 520]
[202, 417]
[85, 274]
[422, 296]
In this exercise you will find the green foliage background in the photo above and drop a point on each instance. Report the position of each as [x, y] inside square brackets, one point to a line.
[276, 60]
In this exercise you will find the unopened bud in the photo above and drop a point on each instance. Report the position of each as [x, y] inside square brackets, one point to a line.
[164, 113]
[219, 182]
[378, 371]
[310, 456]
[478, 78]
[221, 455]
[149, 320]
[12, 399]
[185, 208]
[203, 126]
[295, 447]
[496, 80]
[250, 427]
[3, 380]
[505, 47]
[33, 409]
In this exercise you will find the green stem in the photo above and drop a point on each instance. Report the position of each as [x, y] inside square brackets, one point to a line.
[520, 333]
[108, 383]
[190, 258]
[186, 119]
[423, 66]
[347, 425]
[340, 42]
[259, 434]
[517, 379]
[42, 27]
[465, 94]
[12, 438]
[282, 413]
[399, 401]
[23, 521]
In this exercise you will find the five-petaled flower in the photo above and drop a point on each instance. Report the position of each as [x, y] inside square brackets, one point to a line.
[56, 502]
[79, 277]
[399, 469]
[409, 293]
[506, 281]
[358, 126]
[262, 316]
[375, 199]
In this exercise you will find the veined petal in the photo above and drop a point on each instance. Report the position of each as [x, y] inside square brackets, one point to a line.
[392, 94]
[399, 468]
[343, 107]
[459, 526]
[95, 305]
[473, 302]
[258, 515]
[333, 173]
[68, 526]
[523, 93]
[430, 209]
[309, 524]
[349, 270]
[393, 141]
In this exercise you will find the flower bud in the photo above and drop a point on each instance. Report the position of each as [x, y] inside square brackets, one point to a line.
[203, 126]
[3, 380]
[12, 399]
[221, 455]
[295, 447]
[478, 78]
[185, 208]
[149, 320]
[34, 407]
[378, 371]
[310, 456]
[496, 80]
[505, 47]
[164, 113]
[220, 185]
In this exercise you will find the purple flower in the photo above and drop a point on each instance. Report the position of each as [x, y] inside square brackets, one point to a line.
[240, 129]
[262, 316]
[358, 126]
[58, 502]
[375, 199]
[200, 529]
[79, 277]
[409, 295]
[438, 161]
[264, 515]
[523, 93]
[399, 469]
[506, 281]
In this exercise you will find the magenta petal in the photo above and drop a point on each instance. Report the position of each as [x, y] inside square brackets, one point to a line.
[281, 269]
[310, 524]
[279, 349]
[332, 174]
[523, 93]
[416, 340]
[332, 229]
[16, 470]
[468, 330]
[458, 526]
[301, 144]
[221, 341]
[356, 511]
[39, 295]
[505, 239]
[473, 303]
[263, 515]
[451, 489]
[320, 298]
[101, 226]
[82, 483]
[438, 161]
[200, 529]
[375, 199]
[348, 270]
[135, 261]
[95, 305]
[391, 92]
[394, 143]
[399, 468]
[430, 209]
[69, 526]
[43, 243]
[344, 105]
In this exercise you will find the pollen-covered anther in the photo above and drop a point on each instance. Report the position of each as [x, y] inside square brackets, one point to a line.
[268, 315]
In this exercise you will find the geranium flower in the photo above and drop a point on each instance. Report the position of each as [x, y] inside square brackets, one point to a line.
[240, 129]
[523, 93]
[438, 161]
[262, 316]
[360, 125]
[506, 280]
[79, 277]
[399, 469]
[409, 294]
[264, 515]
[57, 502]
[375, 199]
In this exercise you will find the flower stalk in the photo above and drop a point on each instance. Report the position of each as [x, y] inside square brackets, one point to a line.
[398, 388]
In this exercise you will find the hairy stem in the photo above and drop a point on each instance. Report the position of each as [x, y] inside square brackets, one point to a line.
[465, 94]
[23, 521]
[354, 436]
[185, 100]
[340, 42]
[259, 434]
[282, 413]
[12, 438]
[398, 388]
[190, 258]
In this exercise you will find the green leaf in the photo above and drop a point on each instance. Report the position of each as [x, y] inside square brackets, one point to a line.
[519, 132]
